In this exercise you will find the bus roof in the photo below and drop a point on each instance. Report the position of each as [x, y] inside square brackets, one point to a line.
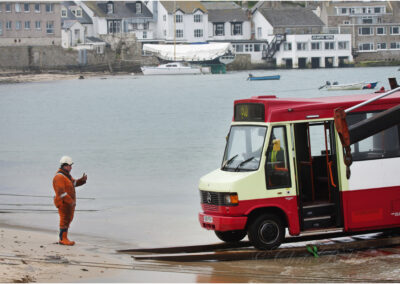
[291, 109]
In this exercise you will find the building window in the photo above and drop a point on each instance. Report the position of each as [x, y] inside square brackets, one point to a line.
[138, 8]
[198, 33]
[366, 46]
[27, 25]
[259, 32]
[63, 13]
[1, 6]
[164, 18]
[144, 34]
[110, 8]
[257, 47]
[8, 7]
[26, 7]
[394, 30]
[8, 25]
[50, 27]
[343, 45]
[38, 25]
[395, 45]
[37, 8]
[179, 33]
[236, 29]
[367, 20]
[239, 48]
[146, 26]
[302, 46]
[49, 7]
[198, 18]
[219, 29]
[18, 25]
[114, 27]
[315, 46]
[381, 45]
[17, 7]
[287, 46]
[179, 18]
[365, 31]
[329, 45]
[248, 48]
[343, 11]
[381, 31]
[78, 13]
[378, 10]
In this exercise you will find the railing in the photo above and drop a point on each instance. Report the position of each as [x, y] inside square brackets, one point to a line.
[273, 46]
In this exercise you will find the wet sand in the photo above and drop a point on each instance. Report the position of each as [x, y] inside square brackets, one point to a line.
[11, 78]
[35, 256]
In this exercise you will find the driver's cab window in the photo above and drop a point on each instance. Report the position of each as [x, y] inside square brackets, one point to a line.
[277, 163]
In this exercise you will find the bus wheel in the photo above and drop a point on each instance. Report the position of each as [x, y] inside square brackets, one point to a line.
[231, 236]
[266, 232]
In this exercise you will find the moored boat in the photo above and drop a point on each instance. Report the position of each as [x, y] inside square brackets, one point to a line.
[270, 77]
[174, 68]
[351, 86]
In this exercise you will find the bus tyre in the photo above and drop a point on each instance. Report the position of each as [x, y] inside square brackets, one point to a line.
[231, 236]
[266, 232]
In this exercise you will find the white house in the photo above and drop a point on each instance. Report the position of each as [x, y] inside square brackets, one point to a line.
[72, 33]
[228, 25]
[181, 21]
[121, 17]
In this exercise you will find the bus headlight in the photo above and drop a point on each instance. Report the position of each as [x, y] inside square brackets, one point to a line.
[231, 199]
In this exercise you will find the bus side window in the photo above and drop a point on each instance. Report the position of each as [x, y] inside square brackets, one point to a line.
[277, 165]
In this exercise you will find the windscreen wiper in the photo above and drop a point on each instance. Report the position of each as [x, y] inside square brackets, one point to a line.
[244, 162]
[229, 161]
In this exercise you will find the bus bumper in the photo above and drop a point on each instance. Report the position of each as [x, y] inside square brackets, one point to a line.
[222, 223]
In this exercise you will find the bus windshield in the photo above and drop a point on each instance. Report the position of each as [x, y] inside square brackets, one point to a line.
[244, 148]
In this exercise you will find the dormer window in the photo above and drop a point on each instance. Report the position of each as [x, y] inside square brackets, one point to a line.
[63, 13]
[78, 13]
[138, 8]
[110, 8]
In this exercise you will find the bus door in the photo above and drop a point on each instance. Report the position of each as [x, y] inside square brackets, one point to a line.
[318, 189]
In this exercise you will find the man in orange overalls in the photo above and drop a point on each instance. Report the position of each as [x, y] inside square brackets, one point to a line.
[65, 200]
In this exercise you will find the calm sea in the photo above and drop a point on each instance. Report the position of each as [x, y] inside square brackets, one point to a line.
[144, 142]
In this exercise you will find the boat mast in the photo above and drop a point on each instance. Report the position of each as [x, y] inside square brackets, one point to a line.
[174, 30]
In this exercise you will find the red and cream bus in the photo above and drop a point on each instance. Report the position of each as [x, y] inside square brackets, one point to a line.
[284, 167]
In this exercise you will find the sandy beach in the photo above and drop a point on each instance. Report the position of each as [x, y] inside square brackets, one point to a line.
[32, 256]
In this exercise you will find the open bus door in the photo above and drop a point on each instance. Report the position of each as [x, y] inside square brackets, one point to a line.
[317, 175]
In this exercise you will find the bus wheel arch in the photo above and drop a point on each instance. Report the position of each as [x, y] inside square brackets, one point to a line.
[266, 228]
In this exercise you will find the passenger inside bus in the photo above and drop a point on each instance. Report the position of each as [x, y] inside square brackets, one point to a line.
[276, 169]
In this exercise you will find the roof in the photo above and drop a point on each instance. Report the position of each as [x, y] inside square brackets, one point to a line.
[293, 17]
[220, 5]
[122, 9]
[67, 24]
[292, 109]
[187, 7]
[94, 39]
[227, 15]
[84, 20]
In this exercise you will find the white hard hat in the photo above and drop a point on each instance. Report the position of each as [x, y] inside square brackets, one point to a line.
[66, 160]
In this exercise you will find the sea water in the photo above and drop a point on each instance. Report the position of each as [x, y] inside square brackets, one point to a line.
[143, 141]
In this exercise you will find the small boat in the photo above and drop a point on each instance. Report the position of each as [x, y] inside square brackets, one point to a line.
[270, 77]
[335, 86]
[174, 68]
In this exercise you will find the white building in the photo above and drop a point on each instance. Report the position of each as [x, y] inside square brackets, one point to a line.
[296, 38]
[190, 23]
[121, 17]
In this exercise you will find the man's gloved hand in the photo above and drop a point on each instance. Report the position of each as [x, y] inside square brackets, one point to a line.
[82, 180]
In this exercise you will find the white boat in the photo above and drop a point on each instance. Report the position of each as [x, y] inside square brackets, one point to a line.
[351, 86]
[174, 68]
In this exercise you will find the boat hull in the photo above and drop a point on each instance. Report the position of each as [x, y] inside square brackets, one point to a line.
[355, 86]
[259, 78]
[170, 71]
